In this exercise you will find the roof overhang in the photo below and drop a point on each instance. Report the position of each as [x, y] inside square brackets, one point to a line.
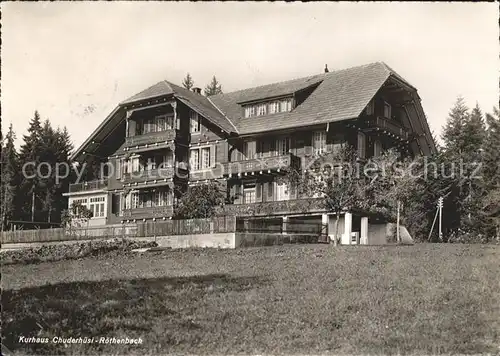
[100, 133]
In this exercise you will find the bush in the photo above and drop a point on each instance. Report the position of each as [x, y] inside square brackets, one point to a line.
[50, 253]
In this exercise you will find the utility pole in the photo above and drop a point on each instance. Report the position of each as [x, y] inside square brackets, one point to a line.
[398, 236]
[440, 207]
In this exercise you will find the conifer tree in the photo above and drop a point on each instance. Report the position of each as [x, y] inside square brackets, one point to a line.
[490, 208]
[29, 160]
[9, 179]
[213, 88]
[452, 136]
[188, 82]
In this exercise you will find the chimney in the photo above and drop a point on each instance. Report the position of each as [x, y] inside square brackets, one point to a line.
[197, 90]
[326, 68]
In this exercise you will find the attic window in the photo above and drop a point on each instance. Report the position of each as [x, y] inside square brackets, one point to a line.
[270, 107]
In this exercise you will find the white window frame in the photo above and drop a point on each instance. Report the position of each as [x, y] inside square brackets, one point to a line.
[252, 192]
[194, 164]
[286, 105]
[262, 109]
[319, 142]
[283, 146]
[250, 111]
[194, 122]
[274, 107]
[282, 192]
[205, 157]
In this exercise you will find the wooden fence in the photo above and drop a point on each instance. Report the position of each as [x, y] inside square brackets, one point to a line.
[221, 224]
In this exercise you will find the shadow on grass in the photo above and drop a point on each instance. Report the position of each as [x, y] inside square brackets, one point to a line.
[112, 308]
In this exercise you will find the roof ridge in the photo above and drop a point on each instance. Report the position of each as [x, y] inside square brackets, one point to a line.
[319, 75]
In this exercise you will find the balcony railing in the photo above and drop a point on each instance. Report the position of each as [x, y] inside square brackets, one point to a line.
[148, 175]
[88, 186]
[388, 125]
[149, 212]
[258, 164]
[274, 207]
[150, 138]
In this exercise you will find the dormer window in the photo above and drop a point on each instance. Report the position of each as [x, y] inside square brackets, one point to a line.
[270, 107]
[286, 105]
[261, 109]
[250, 111]
[274, 107]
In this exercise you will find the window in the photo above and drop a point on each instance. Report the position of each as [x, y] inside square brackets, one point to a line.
[286, 105]
[250, 111]
[319, 142]
[249, 149]
[274, 107]
[283, 145]
[271, 107]
[135, 200]
[195, 122]
[387, 110]
[194, 160]
[261, 109]
[282, 192]
[205, 158]
[135, 164]
[249, 195]
[97, 207]
[202, 158]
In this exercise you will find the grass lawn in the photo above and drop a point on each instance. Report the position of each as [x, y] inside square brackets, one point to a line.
[301, 299]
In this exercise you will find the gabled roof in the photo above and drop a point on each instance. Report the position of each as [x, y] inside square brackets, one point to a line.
[337, 95]
[159, 89]
[340, 95]
[203, 106]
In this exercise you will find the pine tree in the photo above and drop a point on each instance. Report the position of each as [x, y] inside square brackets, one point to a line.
[66, 174]
[48, 156]
[452, 136]
[29, 160]
[188, 82]
[474, 134]
[213, 88]
[491, 150]
[490, 208]
[9, 179]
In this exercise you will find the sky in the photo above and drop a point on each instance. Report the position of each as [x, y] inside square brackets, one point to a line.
[75, 61]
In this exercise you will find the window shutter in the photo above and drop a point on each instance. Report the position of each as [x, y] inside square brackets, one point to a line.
[132, 128]
[265, 187]
[270, 192]
[118, 168]
[212, 155]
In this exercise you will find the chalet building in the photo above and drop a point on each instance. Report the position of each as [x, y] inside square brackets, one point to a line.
[166, 138]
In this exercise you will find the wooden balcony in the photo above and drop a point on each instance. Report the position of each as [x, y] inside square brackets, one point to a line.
[149, 212]
[294, 206]
[259, 164]
[388, 125]
[88, 186]
[151, 138]
[149, 175]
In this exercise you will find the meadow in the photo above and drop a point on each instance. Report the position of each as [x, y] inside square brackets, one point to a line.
[290, 299]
